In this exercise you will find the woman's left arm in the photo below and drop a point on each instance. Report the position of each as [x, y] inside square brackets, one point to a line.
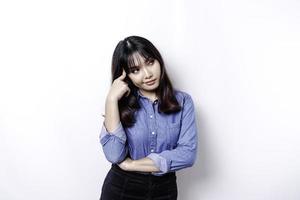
[141, 165]
[183, 156]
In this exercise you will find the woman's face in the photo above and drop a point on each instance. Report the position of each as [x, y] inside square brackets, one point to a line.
[145, 75]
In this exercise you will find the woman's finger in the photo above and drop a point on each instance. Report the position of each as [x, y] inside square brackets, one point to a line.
[123, 75]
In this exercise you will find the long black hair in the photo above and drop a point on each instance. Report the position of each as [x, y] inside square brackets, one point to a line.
[123, 58]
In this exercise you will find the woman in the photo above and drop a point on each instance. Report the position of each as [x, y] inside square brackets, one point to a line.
[149, 131]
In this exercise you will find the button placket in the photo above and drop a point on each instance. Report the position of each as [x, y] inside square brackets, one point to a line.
[152, 127]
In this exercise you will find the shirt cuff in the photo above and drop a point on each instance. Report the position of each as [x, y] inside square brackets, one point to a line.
[160, 162]
[118, 132]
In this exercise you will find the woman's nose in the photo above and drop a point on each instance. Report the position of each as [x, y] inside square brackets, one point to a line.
[147, 73]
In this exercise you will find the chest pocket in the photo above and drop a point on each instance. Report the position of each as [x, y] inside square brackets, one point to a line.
[173, 132]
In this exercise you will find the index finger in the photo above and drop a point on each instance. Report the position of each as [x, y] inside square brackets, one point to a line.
[123, 75]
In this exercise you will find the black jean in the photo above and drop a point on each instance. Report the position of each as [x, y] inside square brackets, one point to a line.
[125, 185]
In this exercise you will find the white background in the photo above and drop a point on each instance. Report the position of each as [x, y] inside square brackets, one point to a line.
[239, 60]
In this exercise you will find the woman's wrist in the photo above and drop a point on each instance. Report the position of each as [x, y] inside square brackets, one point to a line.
[130, 165]
[112, 99]
[127, 165]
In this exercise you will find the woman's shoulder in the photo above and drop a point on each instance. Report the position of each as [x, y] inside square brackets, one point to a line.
[183, 98]
[181, 95]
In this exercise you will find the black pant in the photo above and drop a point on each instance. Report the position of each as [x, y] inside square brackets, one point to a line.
[125, 185]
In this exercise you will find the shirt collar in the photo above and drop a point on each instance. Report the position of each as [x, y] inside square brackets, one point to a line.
[139, 95]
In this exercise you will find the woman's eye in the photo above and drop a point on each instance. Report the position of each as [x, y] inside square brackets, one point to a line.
[151, 62]
[134, 71]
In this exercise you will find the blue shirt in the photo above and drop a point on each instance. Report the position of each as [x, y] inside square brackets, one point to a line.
[169, 140]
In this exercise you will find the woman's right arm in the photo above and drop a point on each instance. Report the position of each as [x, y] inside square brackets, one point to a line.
[112, 136]
[112, 115]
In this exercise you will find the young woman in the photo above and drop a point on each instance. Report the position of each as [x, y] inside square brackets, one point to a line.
[149, 131]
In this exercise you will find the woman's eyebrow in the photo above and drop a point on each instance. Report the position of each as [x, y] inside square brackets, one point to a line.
[137, 66]
[134, 66]
[145, 61]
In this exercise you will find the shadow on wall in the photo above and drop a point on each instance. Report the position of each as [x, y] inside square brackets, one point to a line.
[191, 180]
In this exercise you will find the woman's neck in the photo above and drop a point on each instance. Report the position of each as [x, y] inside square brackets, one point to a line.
[150, 95]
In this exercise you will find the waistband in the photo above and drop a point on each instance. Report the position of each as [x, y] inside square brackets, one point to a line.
[134, 174]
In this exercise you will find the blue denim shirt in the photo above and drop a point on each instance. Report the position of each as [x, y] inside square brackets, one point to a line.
[169, 140]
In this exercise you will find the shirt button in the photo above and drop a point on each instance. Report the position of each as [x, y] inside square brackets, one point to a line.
[151, 116]
[152, 150]
[153, 133]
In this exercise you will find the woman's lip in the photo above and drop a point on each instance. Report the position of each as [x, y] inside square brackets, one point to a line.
[150, 81]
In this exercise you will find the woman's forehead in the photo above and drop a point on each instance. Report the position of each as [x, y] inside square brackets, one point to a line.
[136, 60]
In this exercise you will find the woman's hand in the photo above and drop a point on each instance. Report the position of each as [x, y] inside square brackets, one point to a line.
[126, 164]
[118, 88]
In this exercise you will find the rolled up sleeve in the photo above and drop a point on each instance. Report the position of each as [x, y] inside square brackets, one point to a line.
[114, 143]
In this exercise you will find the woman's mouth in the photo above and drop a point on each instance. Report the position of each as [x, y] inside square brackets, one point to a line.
[151, 82]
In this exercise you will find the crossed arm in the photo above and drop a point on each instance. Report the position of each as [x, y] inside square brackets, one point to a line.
[141, 165]
[184, 155]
